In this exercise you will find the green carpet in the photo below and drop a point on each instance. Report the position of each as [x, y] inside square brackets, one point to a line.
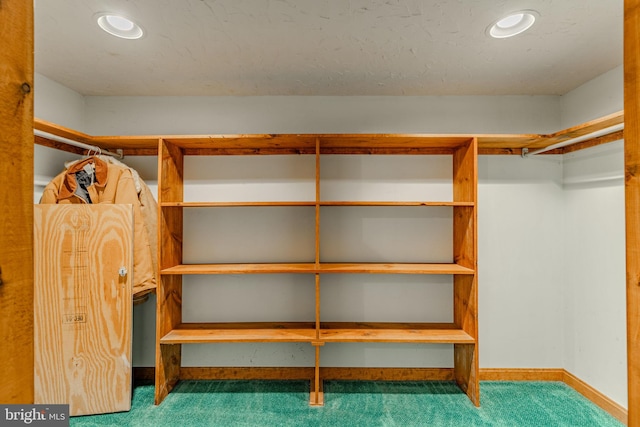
[362, 403]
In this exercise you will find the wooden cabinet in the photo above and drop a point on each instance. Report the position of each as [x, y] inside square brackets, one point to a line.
[461, 332]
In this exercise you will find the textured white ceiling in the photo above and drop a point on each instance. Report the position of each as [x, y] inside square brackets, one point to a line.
[326, 47]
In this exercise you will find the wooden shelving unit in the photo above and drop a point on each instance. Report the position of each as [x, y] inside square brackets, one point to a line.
[462, 333]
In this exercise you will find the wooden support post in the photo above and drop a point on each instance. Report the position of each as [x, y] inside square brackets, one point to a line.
[465, 287]
[317, 395]
[16, 200]
[169, 292]
[632, 200]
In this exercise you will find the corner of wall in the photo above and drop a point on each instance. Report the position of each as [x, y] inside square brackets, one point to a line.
[596, 98]
[59, 104]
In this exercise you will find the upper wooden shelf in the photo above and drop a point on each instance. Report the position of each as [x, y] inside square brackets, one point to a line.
[270, 268]
[383, 203]
[241, 144]
[233, 204]
[307, 203]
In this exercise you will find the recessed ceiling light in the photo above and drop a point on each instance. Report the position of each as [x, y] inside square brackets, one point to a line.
[512, 24]
[119, 26]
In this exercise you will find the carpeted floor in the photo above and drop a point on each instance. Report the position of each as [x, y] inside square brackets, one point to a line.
[285, 403]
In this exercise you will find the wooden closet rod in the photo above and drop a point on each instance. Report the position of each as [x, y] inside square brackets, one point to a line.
[90, 148]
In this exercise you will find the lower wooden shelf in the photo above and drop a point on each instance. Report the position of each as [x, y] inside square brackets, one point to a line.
[430, 333]
[198, 333]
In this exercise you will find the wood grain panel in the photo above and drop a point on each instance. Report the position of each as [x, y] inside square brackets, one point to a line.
[465, 370]
[64, 132]
[615, 136]
[240, 268]
[16, 201]
[465, 290]
[382, 141]
[240, 332]
[351, 268]
[265, 144]
[398, 268]
[169, 291]
[632, 200]
[316, 396]
[306, 373]
[465, 165]
[522, 374]
[317, 216]
[383, 203]
[246, 373]
[400, 150]
[579, 130]
[83, 324]
[234, 204]
[420, 336]
[464, 236]
[45, 142]
[386, 374]
[171, 173]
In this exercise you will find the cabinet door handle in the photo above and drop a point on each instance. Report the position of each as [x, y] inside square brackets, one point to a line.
[0, 275]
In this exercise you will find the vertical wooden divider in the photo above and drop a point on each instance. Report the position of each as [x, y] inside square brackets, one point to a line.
[169, 292]
[317, 202]
[317, 396]
[465, 287]
[632, 201]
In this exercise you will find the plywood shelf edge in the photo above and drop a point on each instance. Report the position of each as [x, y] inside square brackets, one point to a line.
[322, 268]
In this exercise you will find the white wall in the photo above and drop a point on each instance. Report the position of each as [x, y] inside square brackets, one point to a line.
[594, 279]
[594, 99]
[321, 114]
[594, 245]
[520, 261]
[57, 104]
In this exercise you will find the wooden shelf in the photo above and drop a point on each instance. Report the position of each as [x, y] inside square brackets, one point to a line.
[309, 203]
[445, 333]
[198, 333]
[311, 268]
[382, 203]
[463, 329]
[393, 268]
[239, 268]
[329, 143]
[233, 204]
[430, 333]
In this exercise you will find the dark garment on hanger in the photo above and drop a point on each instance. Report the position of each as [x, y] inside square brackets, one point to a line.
[84, 180]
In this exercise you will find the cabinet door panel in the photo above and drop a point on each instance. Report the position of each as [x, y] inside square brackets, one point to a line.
[83, 316]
